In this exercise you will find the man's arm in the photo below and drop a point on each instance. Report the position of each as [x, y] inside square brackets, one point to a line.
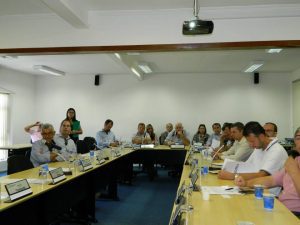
[27, 128]
[292, 168]
[225, 175]
[267, 181]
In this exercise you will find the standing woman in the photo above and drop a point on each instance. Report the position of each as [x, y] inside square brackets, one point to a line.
[201, 136]
[75, 124]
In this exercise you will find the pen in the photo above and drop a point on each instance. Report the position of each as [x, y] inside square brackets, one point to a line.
[227, 189]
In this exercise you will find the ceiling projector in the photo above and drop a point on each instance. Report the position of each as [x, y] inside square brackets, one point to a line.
[196, 26]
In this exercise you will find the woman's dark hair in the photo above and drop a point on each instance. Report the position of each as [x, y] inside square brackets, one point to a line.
[152, 135]
[201, 125]
[71, 109]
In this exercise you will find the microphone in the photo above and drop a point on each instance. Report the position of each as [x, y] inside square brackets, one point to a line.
[56, 147]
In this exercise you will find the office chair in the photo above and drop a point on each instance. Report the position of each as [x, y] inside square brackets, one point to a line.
[17, 163]
[81, 147]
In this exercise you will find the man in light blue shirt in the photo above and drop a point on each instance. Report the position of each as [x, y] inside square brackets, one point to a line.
[64, 141]
[178, 136]
[106, 138]
[45, 150]
[214, 139]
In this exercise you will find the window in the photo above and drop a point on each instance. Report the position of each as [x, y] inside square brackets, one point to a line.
[3, 124]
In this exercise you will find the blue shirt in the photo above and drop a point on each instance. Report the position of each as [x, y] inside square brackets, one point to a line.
[172, 136]
[212, 137]
[104, 139]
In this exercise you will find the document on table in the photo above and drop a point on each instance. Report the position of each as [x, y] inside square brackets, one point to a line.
[221, 190]
[239, 167]
[38, 181]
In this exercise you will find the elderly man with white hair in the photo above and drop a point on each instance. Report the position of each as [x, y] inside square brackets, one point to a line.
[177, 136]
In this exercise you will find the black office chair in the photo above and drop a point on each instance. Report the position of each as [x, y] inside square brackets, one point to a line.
[17, 163]
[81, 147]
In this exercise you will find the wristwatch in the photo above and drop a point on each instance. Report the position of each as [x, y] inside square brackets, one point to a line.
[236, 176]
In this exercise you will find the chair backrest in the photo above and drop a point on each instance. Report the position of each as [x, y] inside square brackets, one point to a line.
[17, 163]
[90, 143]
[81, 147]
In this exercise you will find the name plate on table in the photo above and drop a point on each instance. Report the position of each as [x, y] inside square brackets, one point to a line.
[100, 160]
[57, 175]
[86, 164]
[177, 146]
[175, 219]
[18, 189]
[149, 146]
[179, 197]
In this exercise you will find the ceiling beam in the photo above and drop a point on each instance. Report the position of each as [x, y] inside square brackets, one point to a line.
[69, 10]
[152, 48]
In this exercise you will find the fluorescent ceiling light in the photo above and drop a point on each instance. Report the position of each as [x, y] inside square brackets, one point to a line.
[49, 70]
[145, 67]
[253, 66]
[118, 55]
[274, 50]
[136, 73]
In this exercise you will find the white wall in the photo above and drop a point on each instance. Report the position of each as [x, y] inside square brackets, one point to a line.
[22, 99]
[189, 98]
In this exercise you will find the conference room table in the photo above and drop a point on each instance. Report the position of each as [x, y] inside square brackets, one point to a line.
[15, 149]
[48, 201]
[229, 209]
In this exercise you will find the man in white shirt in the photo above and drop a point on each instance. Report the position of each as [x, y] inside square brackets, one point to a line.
[240, 150]
[268, 155]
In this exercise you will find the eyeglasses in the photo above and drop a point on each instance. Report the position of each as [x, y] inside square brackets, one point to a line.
[47, 133]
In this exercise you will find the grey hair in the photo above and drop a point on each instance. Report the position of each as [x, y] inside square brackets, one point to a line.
[47, 126]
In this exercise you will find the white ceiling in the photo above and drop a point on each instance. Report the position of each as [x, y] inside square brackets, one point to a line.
[161, 62]
[23, 7]
[234, 61]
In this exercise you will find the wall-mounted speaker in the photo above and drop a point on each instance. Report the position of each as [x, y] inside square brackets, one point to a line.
[256, 78]
[97, 80]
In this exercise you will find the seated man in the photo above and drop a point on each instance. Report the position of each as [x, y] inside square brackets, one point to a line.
[164, 135]
[271, 130]
[240, 150]
[214, 139]
[288, 178]
[63, 140]
[178, 136]
[269, 156]
[141, 137]
[45, 150]
[105, 137]
[225, 140]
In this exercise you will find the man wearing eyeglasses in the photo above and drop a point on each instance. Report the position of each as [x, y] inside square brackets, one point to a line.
[45, 150]
[64, 141]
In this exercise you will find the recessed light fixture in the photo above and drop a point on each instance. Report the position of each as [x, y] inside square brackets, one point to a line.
[118, 55]
[274, 50]
[145, 67]
[254, 66]
[136, 73]
[49, 70]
